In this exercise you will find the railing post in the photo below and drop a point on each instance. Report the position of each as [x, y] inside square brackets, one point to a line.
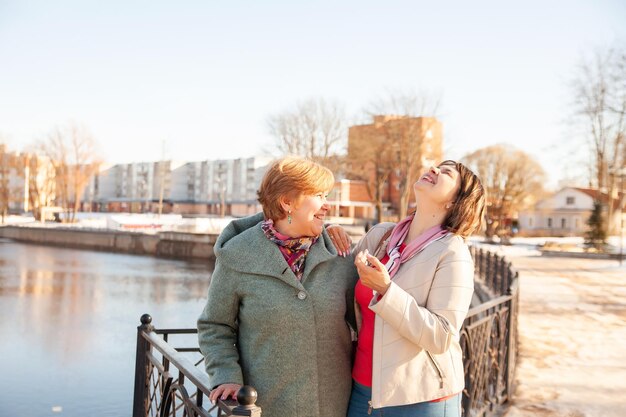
[510, 347]
[509, 278]
[247, 398]
[504, 276]
[511, 360]
[489, 270]
[142, 368]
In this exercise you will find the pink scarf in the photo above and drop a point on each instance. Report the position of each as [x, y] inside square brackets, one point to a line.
[294, 250]
[400, 231]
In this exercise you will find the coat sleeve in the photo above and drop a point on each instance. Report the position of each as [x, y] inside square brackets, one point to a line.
[432, 327]
[217, 329]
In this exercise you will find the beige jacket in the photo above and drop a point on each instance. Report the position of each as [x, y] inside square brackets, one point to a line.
[417, 356]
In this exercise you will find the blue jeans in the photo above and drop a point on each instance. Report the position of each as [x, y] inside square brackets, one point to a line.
[361, 395]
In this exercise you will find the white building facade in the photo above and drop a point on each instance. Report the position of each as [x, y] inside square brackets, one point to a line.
[565, 213]
[199, 187]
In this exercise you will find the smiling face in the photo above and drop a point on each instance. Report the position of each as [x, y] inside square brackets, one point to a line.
[439, 184]
[308, 214]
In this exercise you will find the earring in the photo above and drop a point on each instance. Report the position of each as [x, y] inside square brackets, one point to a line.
[289, 217]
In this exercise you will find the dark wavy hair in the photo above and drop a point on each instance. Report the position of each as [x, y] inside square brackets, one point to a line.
[468, 209]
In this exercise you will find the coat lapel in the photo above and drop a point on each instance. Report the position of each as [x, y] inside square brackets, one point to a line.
[318, 254]
[253, 253]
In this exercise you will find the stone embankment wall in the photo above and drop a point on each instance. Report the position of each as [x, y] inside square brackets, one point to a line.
[163, 244]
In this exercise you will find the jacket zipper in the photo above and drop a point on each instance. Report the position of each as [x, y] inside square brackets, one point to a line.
[437, 368]
[369, 407]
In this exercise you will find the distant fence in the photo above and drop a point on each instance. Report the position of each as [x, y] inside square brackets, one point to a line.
[171, 381]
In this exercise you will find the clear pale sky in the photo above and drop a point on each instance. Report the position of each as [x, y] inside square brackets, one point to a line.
[203, 76]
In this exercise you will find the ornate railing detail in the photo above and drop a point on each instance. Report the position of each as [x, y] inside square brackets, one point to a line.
[489, 338]
[171, 381]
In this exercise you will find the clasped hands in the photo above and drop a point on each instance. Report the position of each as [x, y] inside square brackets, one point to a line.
[372, 272]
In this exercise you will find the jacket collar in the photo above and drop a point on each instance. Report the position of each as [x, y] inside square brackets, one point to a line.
[250, 252]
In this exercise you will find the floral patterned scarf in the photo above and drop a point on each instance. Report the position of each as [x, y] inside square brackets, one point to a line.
[294, 249]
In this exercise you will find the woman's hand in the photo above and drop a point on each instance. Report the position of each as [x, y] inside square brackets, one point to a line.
[372, 272]
[224, 391]
[340, 239]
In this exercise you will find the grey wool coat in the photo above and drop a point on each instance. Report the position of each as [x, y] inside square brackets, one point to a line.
[262, 327]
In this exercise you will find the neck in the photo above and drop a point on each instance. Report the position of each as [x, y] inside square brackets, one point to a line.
[426, 216]
[283, 227]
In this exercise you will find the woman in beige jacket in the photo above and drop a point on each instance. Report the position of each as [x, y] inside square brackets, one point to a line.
[414, 291]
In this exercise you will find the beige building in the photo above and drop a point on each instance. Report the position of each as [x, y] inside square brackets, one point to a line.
[27, 181]
[351, 199]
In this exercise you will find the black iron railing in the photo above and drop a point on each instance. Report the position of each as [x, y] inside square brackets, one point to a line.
[489, 338]
[171, 381]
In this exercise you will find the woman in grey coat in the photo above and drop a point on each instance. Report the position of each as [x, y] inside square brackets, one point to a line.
[278, 298]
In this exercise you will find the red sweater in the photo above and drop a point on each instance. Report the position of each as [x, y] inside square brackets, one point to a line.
[362, 369]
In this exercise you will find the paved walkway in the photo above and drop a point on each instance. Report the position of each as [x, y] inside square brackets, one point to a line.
[572, 328]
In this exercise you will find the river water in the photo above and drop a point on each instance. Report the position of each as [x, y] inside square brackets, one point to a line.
[68, 325]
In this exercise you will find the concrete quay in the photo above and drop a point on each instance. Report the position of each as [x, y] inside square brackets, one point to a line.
[176, 245]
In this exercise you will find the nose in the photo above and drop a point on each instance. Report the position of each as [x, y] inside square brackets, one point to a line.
[435, 170]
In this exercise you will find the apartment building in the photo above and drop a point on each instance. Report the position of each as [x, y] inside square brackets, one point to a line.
[225, 186]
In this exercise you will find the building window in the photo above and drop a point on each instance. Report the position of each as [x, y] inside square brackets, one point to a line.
[562, 223]
[549, 221]
[570, 201]
[576, 222]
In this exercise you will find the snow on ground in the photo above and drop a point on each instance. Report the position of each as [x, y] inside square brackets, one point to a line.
[143, 223]
[528, 246]
[572, 329]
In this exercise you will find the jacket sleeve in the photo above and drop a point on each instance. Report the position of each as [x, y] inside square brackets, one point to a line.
[434, 326]
[217, 330]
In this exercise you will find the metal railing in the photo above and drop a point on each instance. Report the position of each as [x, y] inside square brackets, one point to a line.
[171, 381]
[489, 338]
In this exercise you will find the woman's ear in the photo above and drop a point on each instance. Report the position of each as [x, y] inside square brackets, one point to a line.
[285, 203]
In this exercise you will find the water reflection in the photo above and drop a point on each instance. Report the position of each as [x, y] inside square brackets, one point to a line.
[68, 320]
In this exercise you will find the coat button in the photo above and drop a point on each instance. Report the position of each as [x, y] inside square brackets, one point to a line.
[302, 295]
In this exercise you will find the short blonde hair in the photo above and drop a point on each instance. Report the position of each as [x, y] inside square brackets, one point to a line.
[468, 209]
[293, 178]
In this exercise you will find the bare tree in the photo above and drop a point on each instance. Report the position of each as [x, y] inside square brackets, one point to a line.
[400, 149]
[72, 151]
[512, 179]
[599, 92]
[316, 128]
